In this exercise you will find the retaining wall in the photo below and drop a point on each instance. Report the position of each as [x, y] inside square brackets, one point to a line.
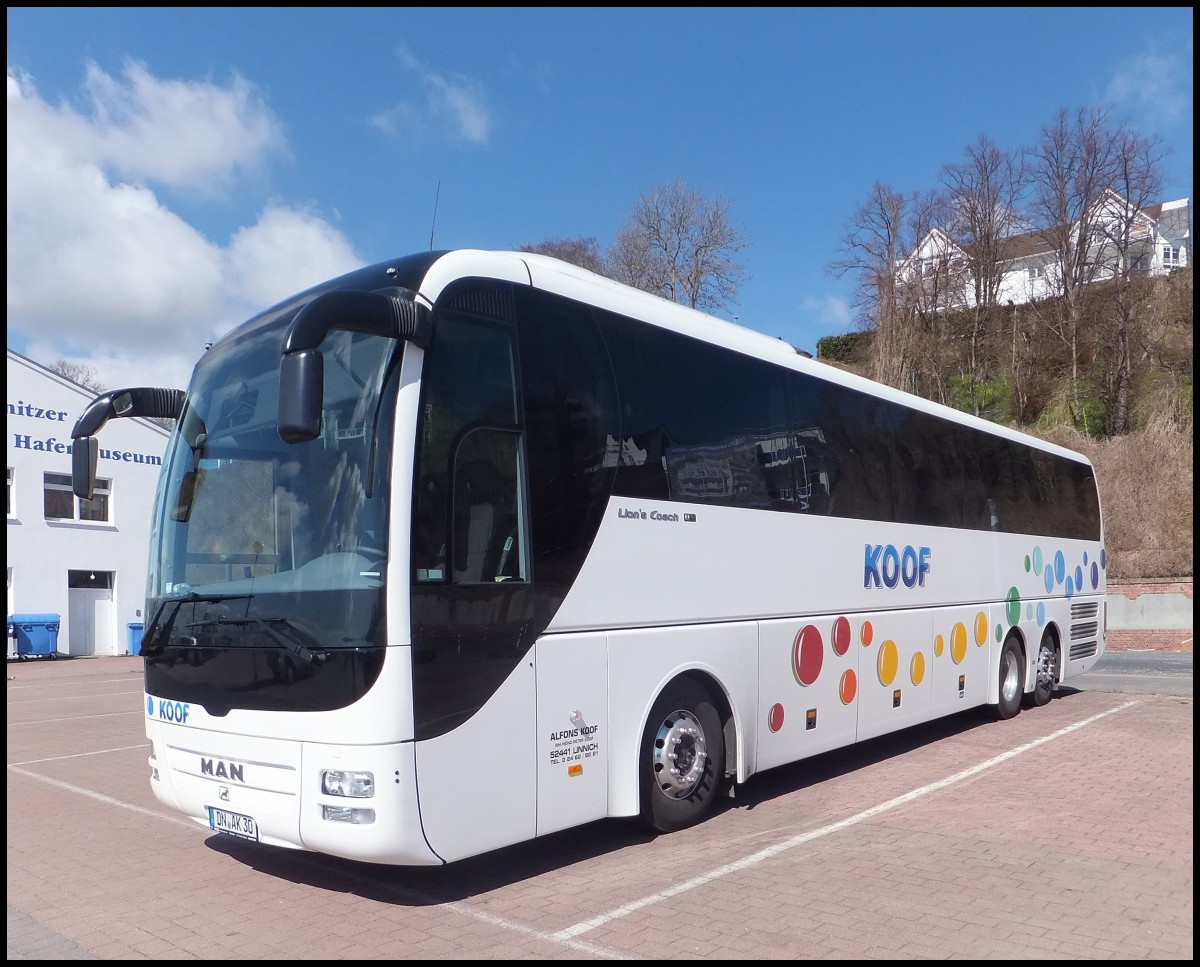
[1150, 616]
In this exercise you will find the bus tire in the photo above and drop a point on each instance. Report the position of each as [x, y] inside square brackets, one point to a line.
[1047, 662]
[1011, 681]
[683, 757]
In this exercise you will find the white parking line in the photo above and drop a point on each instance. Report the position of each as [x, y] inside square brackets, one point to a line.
[33, 700]
[78, 681]
[77, 755]
[80, 718]
[765, 854]
[100, 797]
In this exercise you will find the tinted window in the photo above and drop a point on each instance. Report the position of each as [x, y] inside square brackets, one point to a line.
[703, 424]
[699, 423]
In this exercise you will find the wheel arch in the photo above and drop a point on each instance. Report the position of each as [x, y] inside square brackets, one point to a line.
[724, 706]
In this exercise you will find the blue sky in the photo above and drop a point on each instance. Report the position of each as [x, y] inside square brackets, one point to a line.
[173, 171]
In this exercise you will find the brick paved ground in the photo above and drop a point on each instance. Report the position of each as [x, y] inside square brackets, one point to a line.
[1065, 833]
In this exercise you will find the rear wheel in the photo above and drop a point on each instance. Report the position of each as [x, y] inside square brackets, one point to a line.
[1012, 679]
[1047, 664]
[683, 757]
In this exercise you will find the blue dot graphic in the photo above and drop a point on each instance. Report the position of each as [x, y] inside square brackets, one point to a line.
[1041, 612]
[1095, 576]
[149, 705]
[1070, 585]
[1049, 579]
[1079, 578]
[1060, 565]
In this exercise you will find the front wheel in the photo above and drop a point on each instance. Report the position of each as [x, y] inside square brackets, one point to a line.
[683, 758]
[1012, 679]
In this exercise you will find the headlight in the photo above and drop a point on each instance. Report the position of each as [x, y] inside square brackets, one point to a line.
[352, 785]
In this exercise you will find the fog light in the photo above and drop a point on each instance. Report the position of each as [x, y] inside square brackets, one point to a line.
[348, 814]
[352, 785]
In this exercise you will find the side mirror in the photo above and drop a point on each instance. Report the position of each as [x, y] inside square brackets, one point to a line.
[301, 395]
[85, 452]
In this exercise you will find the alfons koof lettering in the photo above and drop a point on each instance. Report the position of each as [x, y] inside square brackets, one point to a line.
[575, 743]
[885, 566]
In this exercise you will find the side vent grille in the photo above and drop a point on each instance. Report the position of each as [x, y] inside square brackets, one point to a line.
[491, 303]
[1083, 632]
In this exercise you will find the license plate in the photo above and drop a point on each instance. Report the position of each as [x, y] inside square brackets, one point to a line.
[232, 824]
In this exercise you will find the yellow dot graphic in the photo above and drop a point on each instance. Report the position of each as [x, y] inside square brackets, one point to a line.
[889, 662]
[916, 670]
[958, 642]
[981, 628]
[939, 645]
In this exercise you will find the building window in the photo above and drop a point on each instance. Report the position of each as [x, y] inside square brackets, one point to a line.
[10, 481]
[61, 503]
[1171, 256]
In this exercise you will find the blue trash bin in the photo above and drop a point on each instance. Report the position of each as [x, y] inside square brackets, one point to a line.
[37, 634]
[135, 629]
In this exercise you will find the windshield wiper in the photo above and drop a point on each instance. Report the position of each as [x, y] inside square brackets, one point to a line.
[285, 639]
[150, 647]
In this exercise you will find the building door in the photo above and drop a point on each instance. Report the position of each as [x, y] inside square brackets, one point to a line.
[90, 622]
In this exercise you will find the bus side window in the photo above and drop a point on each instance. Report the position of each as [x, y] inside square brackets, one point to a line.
[487, 541]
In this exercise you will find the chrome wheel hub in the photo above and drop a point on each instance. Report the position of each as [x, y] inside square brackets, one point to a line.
[680, 754]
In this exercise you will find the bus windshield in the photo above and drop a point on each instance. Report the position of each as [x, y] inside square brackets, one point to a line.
[248, 529]
[243, 512]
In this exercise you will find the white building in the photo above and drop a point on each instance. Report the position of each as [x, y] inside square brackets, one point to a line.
[85, 561]
[1159, 241]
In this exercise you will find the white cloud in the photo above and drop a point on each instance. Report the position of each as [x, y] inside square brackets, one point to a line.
[285, 251]
[181, 133]
[1155, 86]
[829, 310]
[453, 106]
[100, 270]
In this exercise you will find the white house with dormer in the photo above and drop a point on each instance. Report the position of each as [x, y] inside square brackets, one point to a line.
[83, 560]
[1158, 242]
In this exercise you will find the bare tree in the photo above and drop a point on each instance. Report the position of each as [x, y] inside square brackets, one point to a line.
[681, 245]
[984, 191]
[584, 252]
[1073, 167]
[1136, 185]
[879, 240]
[80, 373]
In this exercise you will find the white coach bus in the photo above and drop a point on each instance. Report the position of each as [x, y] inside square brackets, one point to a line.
[469, 547]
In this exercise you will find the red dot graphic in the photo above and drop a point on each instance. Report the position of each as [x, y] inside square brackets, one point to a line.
[775, 718]
[841, 636]
[808, 654]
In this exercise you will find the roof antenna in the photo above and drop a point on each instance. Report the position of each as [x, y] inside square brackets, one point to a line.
[434, 224]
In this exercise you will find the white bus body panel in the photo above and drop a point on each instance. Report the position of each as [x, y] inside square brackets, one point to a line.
[806, 697]
[964, 664]
[573, 735]
[478, 782]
